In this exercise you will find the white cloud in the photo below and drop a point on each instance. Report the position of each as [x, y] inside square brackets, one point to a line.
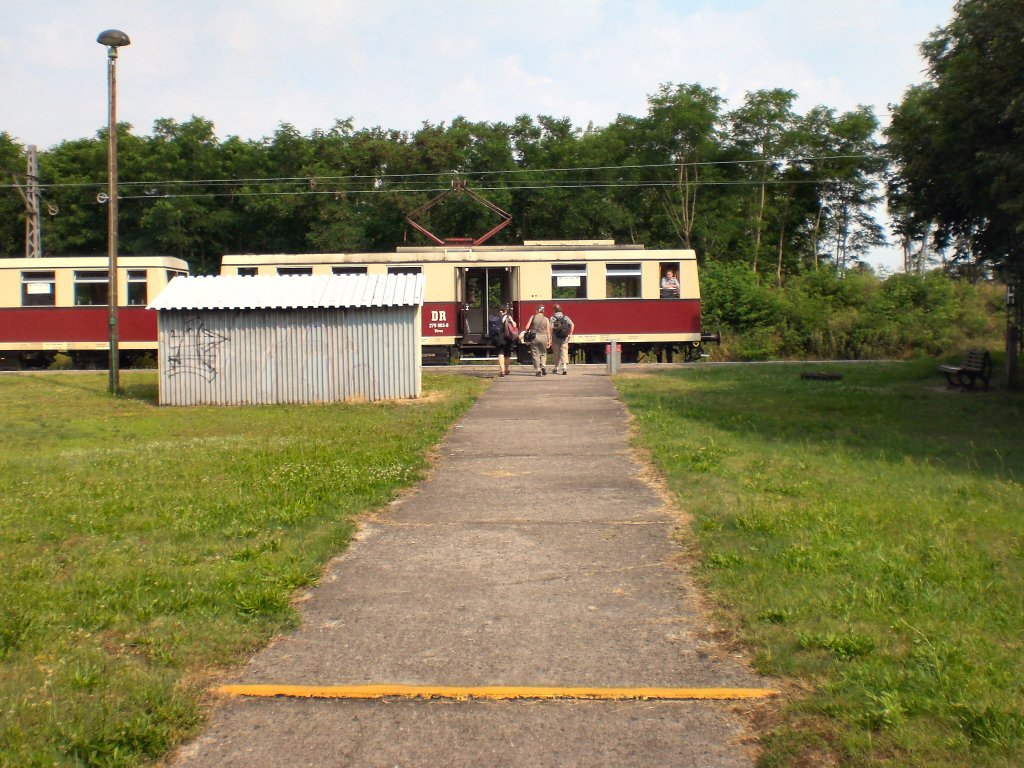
[396, 63]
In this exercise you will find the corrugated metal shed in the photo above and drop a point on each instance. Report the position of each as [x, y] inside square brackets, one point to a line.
[296, 339]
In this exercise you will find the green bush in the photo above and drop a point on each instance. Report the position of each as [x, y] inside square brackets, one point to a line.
[823, 314]
[61, 362]
[735, 297]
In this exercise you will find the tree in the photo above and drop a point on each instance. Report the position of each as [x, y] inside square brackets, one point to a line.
[682, 127]
[852, 191]
[762, 132]
[958, 138]
[181, 211]
[75, 172]
[545, 206]
[959, 144]
[12, 208]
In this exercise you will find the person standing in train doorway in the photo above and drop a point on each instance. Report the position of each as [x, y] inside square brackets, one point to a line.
[562, 329]
[538, 332]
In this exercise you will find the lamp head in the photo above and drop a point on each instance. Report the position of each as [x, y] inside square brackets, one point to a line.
[113, 38]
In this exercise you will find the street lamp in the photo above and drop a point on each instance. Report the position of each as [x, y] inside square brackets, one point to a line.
[113, 39]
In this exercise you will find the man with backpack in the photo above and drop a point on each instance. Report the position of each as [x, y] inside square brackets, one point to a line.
[562, 328]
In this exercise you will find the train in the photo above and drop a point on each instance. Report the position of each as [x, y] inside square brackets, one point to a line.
[646, 302]
[59, 305]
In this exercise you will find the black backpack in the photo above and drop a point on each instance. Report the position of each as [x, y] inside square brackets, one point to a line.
[495, 328]
[560, 327]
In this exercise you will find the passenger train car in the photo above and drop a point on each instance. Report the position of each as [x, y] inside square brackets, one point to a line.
[613, 293]
[56, 305]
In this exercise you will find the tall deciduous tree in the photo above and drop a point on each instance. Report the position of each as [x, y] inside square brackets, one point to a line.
[74, 173]
[959, 138]
[959, 142]
[682, 127]
[852, 193]
[12, 208]
[762, 132]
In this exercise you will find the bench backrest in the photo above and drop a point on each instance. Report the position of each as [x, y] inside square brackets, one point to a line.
[975, 359]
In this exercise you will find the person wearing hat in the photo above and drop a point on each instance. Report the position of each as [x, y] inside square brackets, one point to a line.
[541, 342]
[562, 328]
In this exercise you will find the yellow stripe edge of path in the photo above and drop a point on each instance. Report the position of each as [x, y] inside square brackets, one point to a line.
[488, 692]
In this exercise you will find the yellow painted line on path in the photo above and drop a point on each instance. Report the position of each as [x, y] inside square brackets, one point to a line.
[489, 692]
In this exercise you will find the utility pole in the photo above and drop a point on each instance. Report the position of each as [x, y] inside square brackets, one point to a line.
[1014, 326]
[30, 194]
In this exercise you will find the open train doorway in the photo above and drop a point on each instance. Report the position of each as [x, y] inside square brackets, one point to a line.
[485, 290]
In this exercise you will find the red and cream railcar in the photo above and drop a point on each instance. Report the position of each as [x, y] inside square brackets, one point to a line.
[60, 304]
[611, 292]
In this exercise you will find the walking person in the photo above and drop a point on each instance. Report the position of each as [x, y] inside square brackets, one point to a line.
[562, 329]
[506, 339]
[540, 342]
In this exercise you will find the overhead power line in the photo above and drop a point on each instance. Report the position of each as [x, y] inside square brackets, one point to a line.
[391, 178]
[504, 188]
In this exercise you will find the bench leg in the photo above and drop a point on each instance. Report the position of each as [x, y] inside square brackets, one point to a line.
[967, 379]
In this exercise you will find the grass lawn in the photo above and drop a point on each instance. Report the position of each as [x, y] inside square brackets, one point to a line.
[865, 539]
[142, 549]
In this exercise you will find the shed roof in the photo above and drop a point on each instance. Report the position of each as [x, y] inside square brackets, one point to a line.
[291, 292]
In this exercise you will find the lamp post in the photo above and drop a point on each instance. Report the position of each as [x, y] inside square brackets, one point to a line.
[113, 39]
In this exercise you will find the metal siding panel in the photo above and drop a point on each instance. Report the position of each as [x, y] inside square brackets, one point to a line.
[242, 357]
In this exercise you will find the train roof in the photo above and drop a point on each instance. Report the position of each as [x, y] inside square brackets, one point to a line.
[531, 250]
[291, 292]
[93, 262]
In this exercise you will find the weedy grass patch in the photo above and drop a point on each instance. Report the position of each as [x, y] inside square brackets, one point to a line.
[143, 548]
[865, 538]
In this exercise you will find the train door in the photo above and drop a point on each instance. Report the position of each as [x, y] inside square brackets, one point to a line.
[484, 290]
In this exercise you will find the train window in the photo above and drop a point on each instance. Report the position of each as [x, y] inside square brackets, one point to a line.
[669, 279]
[568, 281]
[348, 270]
[285, 271]
[476, 287]
[623, 281]
[91, 289]
[137, 293]
[173, 273]
[37, 289]
[247, 271]
[404, 269]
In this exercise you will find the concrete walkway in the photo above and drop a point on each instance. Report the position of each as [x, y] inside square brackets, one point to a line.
[534, 555]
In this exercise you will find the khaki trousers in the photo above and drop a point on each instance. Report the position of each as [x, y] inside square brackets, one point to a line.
[560, 350]
[539, 351]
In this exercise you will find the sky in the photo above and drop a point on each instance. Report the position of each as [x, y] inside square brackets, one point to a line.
[250, 65]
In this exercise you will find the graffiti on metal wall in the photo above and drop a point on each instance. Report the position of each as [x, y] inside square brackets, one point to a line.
[193, 350]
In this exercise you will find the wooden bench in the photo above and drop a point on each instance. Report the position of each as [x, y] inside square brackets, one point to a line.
[977, 364]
